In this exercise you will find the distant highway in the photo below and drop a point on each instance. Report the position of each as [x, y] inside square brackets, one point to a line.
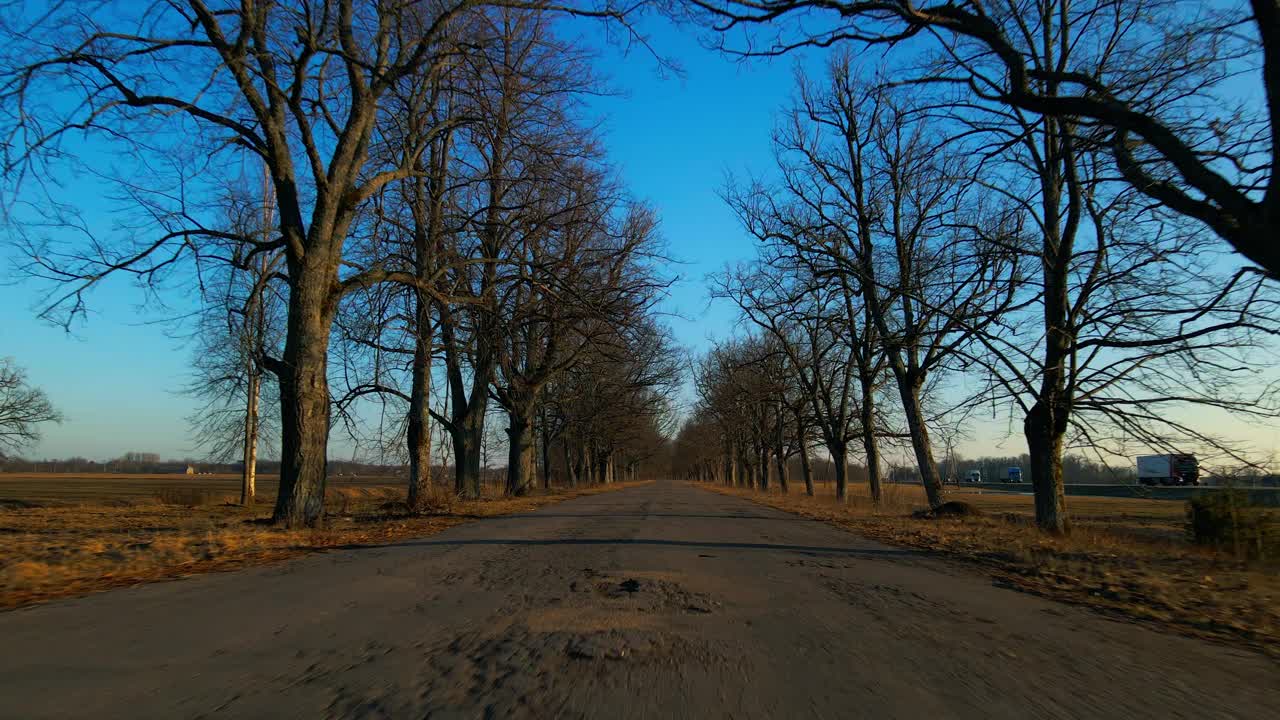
[1265, 496]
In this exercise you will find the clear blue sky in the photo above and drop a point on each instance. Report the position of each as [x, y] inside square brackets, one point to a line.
[117, 377]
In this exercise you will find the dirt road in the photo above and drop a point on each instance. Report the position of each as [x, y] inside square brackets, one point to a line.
[658, 601]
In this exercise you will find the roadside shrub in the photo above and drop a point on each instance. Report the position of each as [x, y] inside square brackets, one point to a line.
[336, 501]
[438, 500]
[951, 508]
[1228, 521]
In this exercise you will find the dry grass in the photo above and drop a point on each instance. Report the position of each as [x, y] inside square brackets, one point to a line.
[1127, 557]
[56, 488]
[70, 549]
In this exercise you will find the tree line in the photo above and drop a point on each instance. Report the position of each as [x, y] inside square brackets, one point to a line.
[1022, 206]
[1024, 216]
[367, 199]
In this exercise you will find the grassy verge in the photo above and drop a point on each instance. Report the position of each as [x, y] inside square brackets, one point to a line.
[65, 550]
[1127, 557]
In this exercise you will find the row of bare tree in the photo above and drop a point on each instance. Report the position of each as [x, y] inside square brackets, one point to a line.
[925, 251]
[358, 192]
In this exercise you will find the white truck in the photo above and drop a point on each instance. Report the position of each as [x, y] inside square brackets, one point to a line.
[1168, 469]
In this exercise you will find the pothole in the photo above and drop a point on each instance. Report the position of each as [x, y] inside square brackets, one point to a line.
[645, 592]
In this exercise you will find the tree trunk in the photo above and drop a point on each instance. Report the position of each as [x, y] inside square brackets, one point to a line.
[780, 448]
[466, 456]
[870, 445]
[304, 398]
[1044, 441]
[419, 434]
[840, 460]
[256, 322]
[910, 393]
[546, 450]
[469, 401]
[428, 214]
[519, 451]
[249, 474]
[571, 468]
[806, 470]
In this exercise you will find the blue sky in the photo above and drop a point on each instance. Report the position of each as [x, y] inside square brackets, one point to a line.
[674, 140]
[117, 376]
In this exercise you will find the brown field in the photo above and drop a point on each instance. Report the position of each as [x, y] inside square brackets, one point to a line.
[1127, 557]
[71, 536]
[61, 488]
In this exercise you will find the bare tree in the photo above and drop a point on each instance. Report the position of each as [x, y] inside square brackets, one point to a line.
[22, 409]
[889, 186]
[590, 274]
[1095, 251]
[299, 84]
[743, 385]
[614, 402]
[832, 360]
[240, 323]
[1171, 120]
[865, 202]
[519, 90]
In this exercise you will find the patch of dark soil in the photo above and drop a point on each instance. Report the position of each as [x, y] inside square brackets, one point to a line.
[951, 508]
[1016, 519]
[16, 504]
[397, 508]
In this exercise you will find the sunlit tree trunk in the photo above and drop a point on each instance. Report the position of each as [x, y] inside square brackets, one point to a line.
[249, 473]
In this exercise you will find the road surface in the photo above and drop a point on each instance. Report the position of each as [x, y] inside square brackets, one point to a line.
[658, 601]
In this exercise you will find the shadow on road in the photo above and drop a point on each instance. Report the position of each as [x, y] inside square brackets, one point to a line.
[539, 515]
[801, 549]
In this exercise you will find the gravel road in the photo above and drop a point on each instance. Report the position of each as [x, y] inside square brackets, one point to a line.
[652, 602]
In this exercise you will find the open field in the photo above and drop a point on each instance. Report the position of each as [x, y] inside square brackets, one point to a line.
[1125, 556]
[58, 488]
[1152, 519]
[101, 533]
[1259, 495]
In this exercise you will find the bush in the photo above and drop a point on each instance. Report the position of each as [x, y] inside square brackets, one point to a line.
[1226, 519]
[438, 500]
[952, 508]
[336, 501]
